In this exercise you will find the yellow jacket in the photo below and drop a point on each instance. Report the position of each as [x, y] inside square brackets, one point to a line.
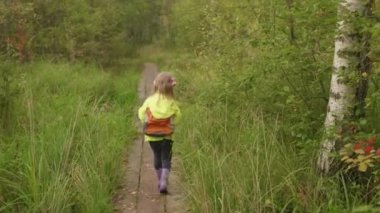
[161, 107]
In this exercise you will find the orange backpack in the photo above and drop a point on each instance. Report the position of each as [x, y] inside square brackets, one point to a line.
[157, 127]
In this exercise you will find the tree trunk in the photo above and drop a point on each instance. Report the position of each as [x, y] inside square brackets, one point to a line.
[165, 21]
[364, 66]
[292, 36]
[343, 89]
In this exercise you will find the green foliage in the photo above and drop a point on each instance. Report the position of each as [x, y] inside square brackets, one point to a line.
[249, 57]
[373, 98]
[96, 31]
[9, 90]
[70, 134]
[273, 57]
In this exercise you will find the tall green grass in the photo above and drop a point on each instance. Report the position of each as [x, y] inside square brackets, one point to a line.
[235, 157]
[73, 124]
[240, 165]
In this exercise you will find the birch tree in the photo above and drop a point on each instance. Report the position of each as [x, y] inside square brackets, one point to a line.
[345, 75]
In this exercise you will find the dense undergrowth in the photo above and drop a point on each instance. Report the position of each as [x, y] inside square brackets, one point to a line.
[254, 83]
[235, 157]
[97, 31]
[64, 137]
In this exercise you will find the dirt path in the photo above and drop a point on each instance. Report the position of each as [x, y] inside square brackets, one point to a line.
[139, 193]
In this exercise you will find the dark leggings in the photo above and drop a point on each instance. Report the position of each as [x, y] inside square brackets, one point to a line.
[162, 151]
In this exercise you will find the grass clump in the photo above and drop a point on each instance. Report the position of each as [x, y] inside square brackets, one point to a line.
[73, 123]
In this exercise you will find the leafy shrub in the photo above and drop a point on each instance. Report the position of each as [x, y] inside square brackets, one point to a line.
[361, 155]
[94, 31]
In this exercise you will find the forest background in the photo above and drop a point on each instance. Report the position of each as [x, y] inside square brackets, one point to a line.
[254, 85]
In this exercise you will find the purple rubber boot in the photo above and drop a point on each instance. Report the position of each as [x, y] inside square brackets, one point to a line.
[164, 181]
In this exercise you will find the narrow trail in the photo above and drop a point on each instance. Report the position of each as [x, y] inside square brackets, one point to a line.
[138, 192]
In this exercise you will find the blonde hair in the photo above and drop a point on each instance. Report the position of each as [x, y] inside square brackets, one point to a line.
[164, 84]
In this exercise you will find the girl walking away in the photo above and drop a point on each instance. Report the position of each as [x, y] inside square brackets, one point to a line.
[158, 113]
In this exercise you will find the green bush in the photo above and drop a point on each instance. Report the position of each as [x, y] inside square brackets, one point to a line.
[94, 31]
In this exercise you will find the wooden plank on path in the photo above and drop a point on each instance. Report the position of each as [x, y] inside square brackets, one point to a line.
[139, 192]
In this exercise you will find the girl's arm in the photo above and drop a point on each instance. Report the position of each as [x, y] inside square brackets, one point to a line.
[142, 110]
[177, 112]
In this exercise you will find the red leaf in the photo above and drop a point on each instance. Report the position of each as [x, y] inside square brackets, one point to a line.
[378, 151]
[368, 149]
[357, 146]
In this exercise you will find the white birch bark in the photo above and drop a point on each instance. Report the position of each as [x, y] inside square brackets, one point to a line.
[342, 95]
